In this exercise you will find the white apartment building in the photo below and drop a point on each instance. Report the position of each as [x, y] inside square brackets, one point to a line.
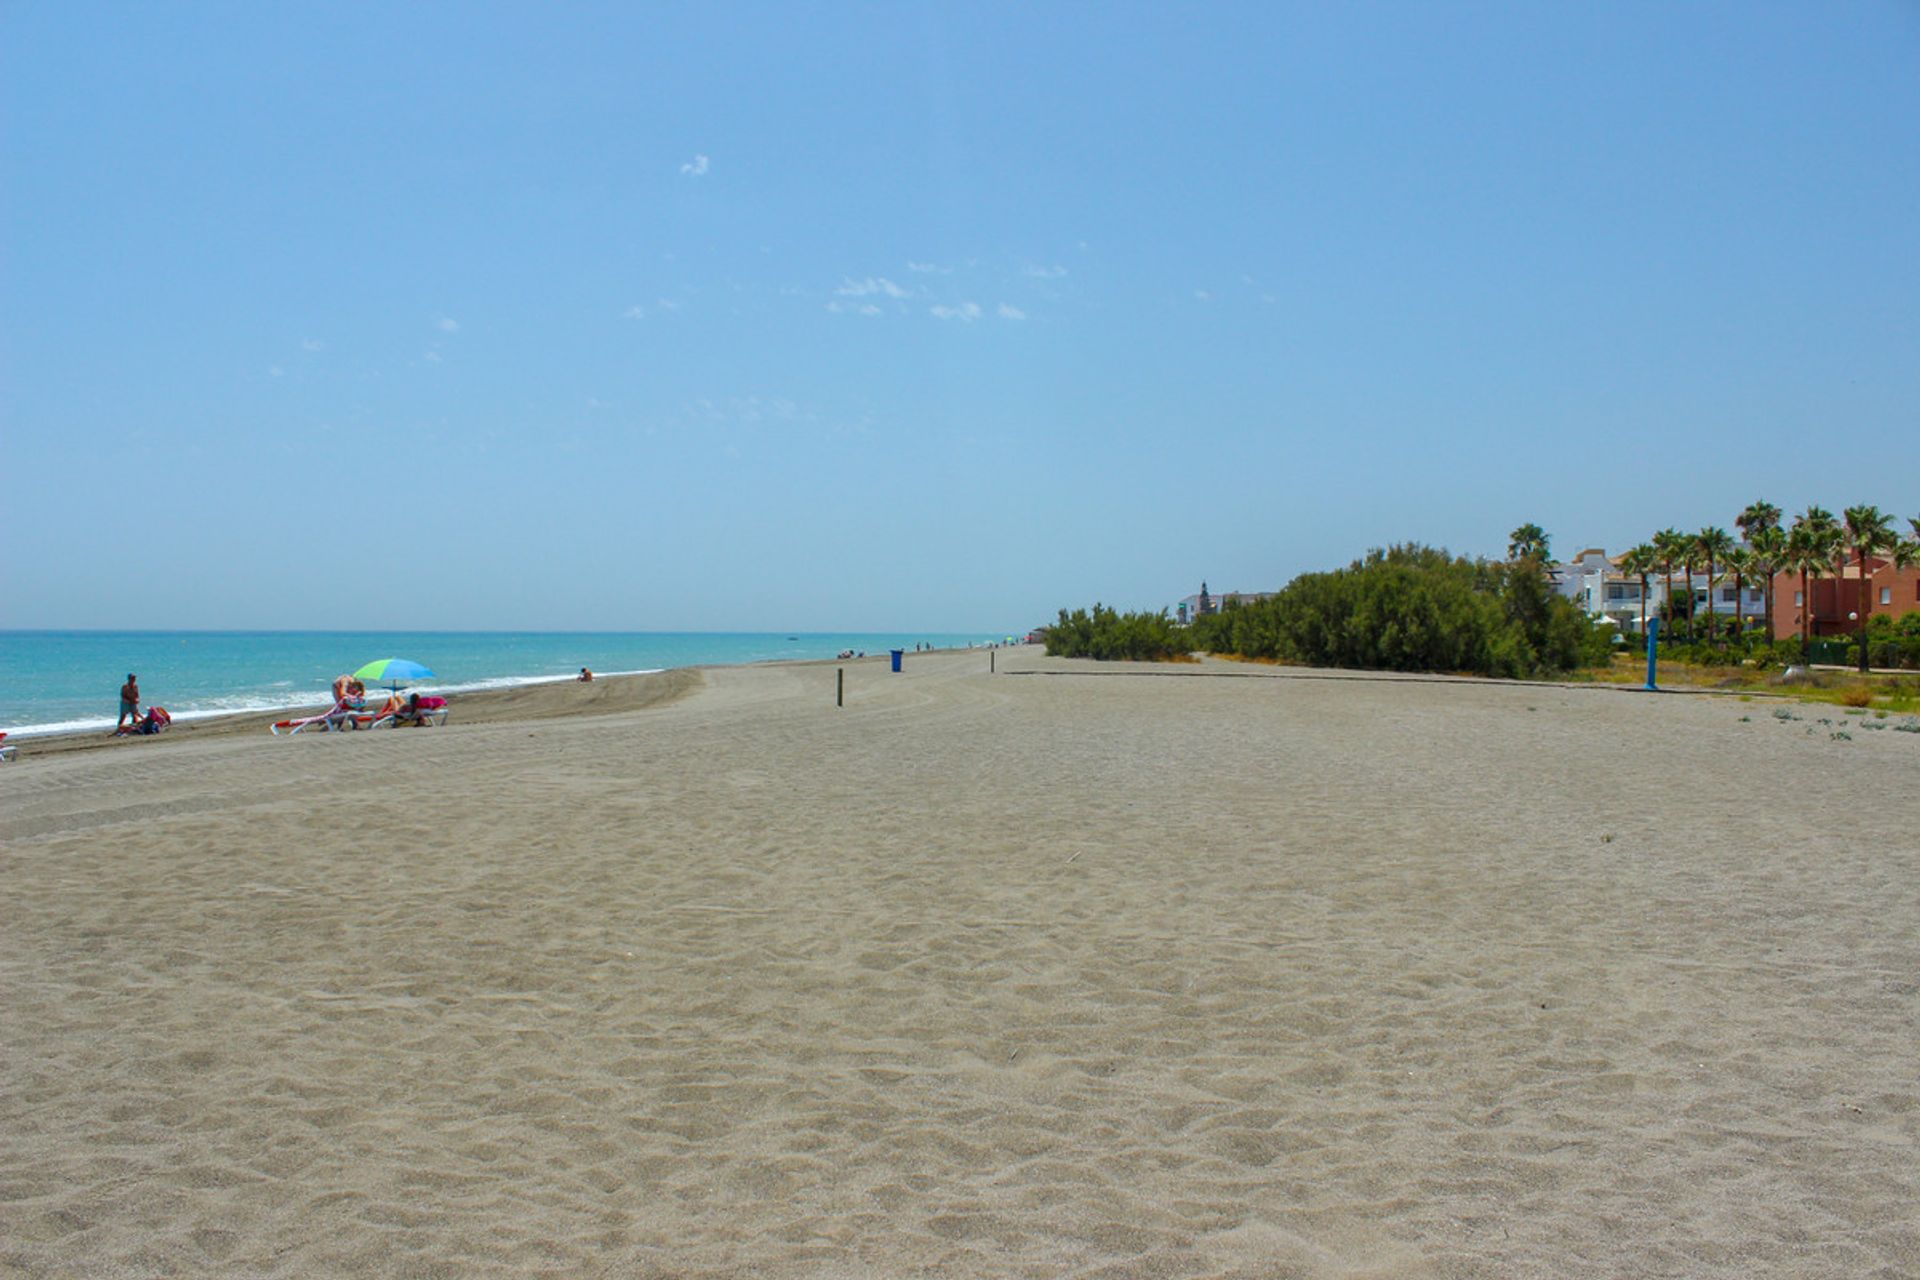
[1593, 581]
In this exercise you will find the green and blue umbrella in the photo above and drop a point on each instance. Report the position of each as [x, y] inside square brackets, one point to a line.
[393, 671]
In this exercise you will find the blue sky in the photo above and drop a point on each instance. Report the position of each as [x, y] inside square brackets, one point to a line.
[922, 316]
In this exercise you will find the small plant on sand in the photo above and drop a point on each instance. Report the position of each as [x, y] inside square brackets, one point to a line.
[1841, 735]
[1784, 713]
[1910, 725]
[1856, 696]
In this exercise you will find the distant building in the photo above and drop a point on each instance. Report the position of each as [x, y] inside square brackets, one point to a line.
[1893, 592]
[1206, 603]
[1594, 581]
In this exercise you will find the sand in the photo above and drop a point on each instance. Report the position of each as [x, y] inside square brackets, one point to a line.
[1091, 971]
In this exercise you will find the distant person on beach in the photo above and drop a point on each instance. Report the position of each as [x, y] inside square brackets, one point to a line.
[586, 676]
[129, 702]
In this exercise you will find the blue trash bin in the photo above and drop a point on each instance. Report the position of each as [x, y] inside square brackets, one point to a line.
[896, 657]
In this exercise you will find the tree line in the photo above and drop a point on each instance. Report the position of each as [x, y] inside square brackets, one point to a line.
[1419, 608]
[1814, 546]
[1404, 608]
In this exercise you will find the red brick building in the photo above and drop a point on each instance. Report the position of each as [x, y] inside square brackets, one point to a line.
[1893, 591]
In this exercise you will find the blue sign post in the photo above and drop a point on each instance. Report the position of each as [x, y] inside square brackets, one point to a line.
[1653, 653]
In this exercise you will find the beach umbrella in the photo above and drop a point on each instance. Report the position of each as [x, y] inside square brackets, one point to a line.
[393, 671]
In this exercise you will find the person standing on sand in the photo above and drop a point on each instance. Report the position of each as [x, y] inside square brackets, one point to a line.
[129, 701]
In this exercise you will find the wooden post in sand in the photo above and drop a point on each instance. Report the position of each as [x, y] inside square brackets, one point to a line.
[990, 656]
[839, 686]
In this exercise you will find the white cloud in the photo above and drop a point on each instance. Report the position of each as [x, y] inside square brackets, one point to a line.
[1201, 295]
[313, 344]
[276, 372]
[433, 357]
[851, 288]
[966, 312]
[1047, 273]
[696, 167]
[1008, 312]
[854, 309]
[634, 312]
[666, 304]
[930, 268]
[447, 324]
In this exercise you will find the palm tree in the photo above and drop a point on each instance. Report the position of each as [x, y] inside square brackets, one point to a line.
[1869, 534]
[1529, 540]
[1757, 516]
[1666, 547]
[1641, 561]
[1688, 549]
[1739, 564]
[1810, 549]
[1769, 550]
[1758, 524]
[1710, 544]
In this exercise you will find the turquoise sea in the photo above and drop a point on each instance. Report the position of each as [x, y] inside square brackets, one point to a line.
[56, 681]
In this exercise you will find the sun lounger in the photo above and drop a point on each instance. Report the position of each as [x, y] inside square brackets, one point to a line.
[338, 718]
[7, 752]
[433, 711]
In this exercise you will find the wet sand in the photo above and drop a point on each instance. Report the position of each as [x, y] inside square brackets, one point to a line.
[1097, 971]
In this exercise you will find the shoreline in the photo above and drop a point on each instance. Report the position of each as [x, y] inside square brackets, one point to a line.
[51, 682]
[535, 698]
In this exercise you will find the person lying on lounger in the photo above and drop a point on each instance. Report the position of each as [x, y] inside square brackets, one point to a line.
[417, 711]
[153, 722]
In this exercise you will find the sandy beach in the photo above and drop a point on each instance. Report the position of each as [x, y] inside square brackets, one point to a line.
[1072, 969]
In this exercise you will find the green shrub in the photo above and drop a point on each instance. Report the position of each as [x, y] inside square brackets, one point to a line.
[1414, 608]
[1107, 634]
